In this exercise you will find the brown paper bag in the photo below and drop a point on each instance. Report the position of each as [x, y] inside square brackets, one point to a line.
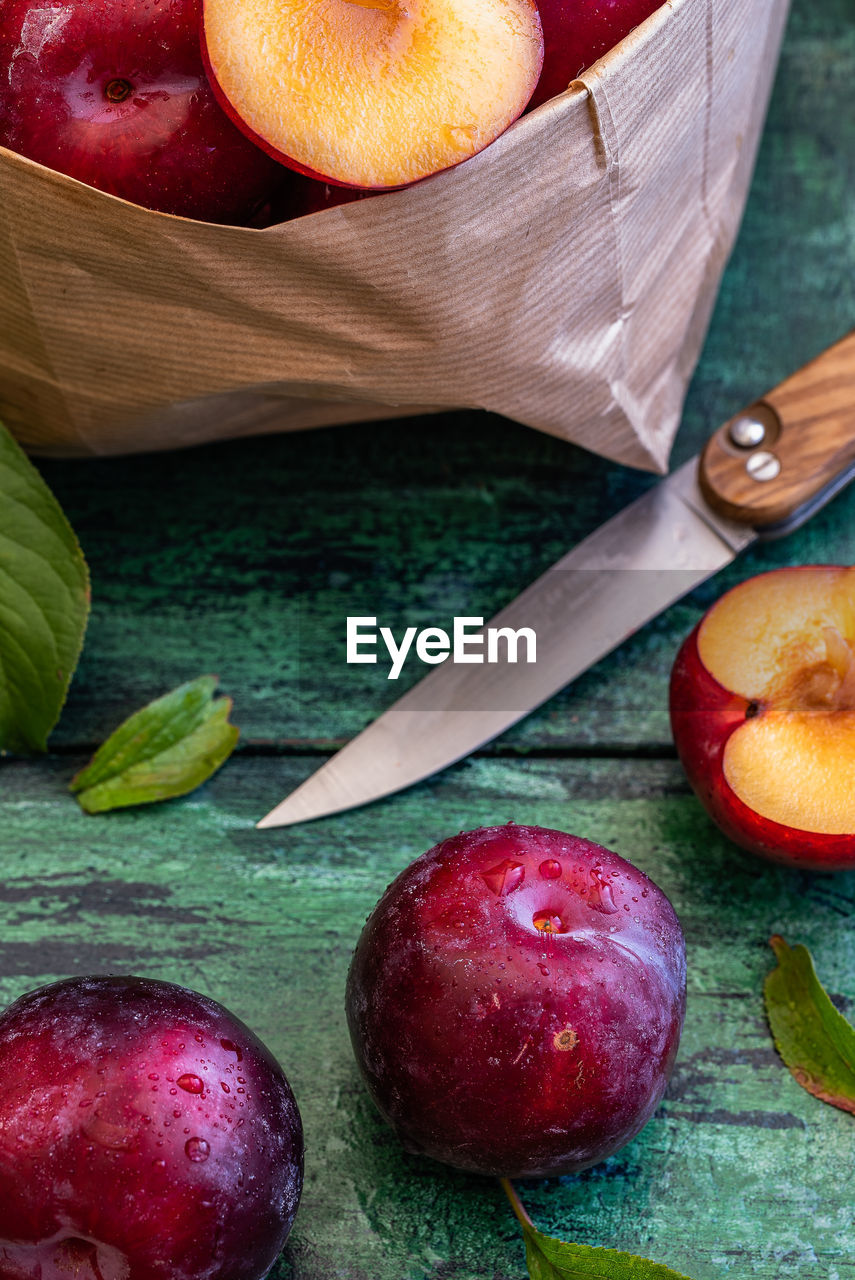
[564, 277]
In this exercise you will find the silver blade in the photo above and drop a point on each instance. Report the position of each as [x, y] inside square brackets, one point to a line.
[589, 602]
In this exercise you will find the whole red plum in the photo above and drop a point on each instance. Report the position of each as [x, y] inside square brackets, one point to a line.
[114, 93]
[145, 1134]
[516, 1000]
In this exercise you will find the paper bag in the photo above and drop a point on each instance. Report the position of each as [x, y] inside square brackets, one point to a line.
[564, 277]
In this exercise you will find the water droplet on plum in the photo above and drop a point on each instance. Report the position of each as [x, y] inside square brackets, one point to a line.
[601, 897]
[197, 1150]
[550, 869]
[190, 1083]
[504, 877]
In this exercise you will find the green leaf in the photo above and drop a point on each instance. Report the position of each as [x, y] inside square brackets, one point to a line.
[551, 1259]
[168, 748]
[814, 1039]
[44, 603]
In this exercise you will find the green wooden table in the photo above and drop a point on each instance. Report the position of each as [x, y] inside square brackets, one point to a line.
[245, 560]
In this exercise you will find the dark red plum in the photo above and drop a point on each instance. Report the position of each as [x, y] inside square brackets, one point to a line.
[145, 1134]
[578, 32]
[114, 93]
[516, 1000]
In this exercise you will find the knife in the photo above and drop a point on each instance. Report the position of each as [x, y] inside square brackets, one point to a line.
[761, 475]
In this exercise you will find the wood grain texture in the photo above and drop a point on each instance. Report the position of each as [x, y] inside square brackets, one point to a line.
[197, 568]
[740, 1172]
[810, 435]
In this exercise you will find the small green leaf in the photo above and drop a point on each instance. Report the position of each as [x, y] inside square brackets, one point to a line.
[44, 603]
[551, 1259]
[814, 1039]
[168, 748]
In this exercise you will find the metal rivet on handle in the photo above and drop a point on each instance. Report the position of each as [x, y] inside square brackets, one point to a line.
[746, 432]
[763, 466]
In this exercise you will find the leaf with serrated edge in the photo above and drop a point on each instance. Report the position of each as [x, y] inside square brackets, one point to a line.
[814, 1039]
[164, 750]
[551, 1259]
[44, 603]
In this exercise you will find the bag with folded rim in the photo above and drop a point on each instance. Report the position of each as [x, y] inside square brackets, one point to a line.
[564, 277]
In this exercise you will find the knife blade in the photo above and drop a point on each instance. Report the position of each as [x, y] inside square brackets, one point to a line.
[761, 475]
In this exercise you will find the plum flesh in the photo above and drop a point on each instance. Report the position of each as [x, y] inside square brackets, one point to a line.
[516, 1000]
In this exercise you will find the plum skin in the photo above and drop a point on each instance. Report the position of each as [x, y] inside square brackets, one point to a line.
[703, 716]
[501, 1049]
[114, 94]
[145, 1134]
[577, 32]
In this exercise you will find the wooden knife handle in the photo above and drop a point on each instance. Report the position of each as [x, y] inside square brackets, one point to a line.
[783, 451]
